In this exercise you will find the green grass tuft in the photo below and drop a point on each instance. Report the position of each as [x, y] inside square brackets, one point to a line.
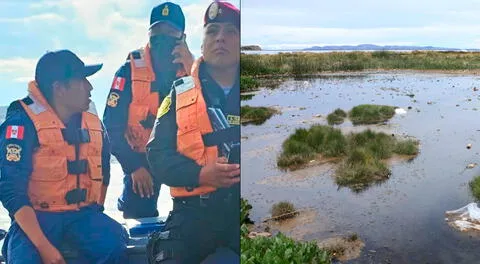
[336, 117]
[256, 115]
[371, 114]
[475, 187]
[363, 153]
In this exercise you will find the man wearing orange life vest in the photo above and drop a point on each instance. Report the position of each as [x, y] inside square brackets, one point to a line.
[55, 169]
[188, 152]
[137, 90]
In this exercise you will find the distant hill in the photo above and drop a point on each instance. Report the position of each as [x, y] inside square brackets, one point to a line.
[251, 47]
[376, 47]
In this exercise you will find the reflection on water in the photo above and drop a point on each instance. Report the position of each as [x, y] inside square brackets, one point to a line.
[114, 190]
[403, 219]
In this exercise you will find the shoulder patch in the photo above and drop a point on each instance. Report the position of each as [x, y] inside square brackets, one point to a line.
[233, 120]
[118, 83]
[14, 152]
[139, 58]
[184, 84]
[165, 106]
[113, 99]
[15, 132]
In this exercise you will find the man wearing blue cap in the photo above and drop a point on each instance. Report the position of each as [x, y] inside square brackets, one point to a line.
[137, 90]
[194, 148]
[55, 169]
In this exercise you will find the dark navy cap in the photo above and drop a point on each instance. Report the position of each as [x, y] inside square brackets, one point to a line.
[222, 12]
[62, 65]
[170, 13]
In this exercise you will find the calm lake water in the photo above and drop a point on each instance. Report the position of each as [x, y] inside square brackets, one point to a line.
[403, 219]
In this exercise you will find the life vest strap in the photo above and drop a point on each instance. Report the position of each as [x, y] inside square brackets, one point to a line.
[231, 134]
[149, 122]
[76, 136]
[77, 167]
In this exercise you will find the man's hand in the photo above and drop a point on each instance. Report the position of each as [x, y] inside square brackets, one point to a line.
[50, 255]
[220, 174]
[142, 183]
[183, 56]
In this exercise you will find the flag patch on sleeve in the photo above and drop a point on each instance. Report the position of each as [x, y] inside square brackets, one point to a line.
[15, 132]
[118, 83]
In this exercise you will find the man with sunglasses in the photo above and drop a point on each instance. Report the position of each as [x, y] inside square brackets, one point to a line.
[137, 90]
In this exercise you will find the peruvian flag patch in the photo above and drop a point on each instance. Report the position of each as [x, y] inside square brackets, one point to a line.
[14, 132]
[118, 83]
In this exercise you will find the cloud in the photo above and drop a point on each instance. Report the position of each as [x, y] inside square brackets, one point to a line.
[45, 17]
[20, 69]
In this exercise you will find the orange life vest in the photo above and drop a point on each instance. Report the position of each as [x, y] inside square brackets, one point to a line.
[54, 162]
[144, 103]
[193, 122]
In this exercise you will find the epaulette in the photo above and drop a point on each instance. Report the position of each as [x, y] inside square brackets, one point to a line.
[139, 58]
[183, 84]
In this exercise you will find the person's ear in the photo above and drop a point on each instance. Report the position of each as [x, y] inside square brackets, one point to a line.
[58, 89]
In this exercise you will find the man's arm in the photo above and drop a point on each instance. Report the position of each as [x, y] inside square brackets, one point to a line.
[115, 118]
[173, 168]
[177, 170]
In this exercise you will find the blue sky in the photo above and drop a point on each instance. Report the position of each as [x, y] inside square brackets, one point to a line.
[96, 30]
[298, 24]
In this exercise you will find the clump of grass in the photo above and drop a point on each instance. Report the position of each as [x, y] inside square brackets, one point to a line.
[282, 210]
[406, 147]
[475, 187]
[336, 117]
[371, 114]
[248, 83]
[256, 115]
[245, 208]
[360, 169]
[353, 237]
[246, 97]
[304, 145]
[363, 153]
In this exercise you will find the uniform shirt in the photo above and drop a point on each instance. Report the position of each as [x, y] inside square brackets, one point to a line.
[116, 118]
[14, 175]
[175, 169]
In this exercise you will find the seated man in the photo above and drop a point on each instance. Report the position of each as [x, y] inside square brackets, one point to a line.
[55, 169]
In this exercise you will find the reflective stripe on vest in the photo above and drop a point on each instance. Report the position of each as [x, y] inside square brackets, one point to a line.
[144, 102]
[51, 180]
[193, 122]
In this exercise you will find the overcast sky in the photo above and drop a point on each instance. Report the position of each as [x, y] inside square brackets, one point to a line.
[96, 30]
[296, 24]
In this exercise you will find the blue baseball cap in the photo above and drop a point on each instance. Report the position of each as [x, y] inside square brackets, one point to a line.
[169, 13]
[62, 65]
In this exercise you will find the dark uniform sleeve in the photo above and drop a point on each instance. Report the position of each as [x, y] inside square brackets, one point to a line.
[115, 118]
[16, 156]
[106, 157]
[173, 168]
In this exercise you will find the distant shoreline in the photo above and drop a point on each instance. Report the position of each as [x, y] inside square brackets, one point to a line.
[307, 63]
